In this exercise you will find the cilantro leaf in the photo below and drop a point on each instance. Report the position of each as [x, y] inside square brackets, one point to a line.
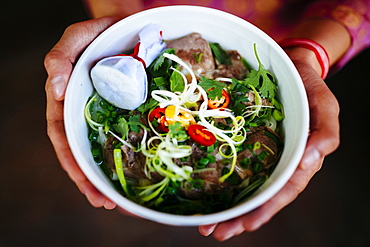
[238, 97]
[268, 88]
[135, 123]
[238, 87]
[160, 67]
[253, 78]
[262, 79]
[177, 131]
[213, 88]
[149, 104]
[121, 127]
[161, 59]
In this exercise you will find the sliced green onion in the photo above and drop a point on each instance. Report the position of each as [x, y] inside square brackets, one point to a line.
[245, 162]
[256, 146]
[257, 167]
[262, 155]
[188, 185]
[203, 162]
[253, 124]
[277, 115]
[117, 154]
[211, 149]
[151, 191]
[198, 183]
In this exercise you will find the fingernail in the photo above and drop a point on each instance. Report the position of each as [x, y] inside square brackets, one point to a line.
[208, 230]
[109, 205]
[59, 86]
[82, 189]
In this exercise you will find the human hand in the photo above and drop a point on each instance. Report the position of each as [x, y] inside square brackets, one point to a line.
[59, 64]
[323, 139]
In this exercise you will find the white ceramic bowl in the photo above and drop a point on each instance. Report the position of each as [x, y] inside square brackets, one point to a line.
[215, 26]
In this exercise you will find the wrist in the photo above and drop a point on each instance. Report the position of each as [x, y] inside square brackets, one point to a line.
[302, 55]
[330, 34]
[308, 52]
[118, 8]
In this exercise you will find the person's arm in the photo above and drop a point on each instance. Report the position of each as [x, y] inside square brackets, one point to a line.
[123, 8]
[323, 139]
[342, 28]
[331, 35]
[324, 136]
[354, 15]
[324, 124]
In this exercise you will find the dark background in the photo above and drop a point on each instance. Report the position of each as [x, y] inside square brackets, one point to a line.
[40, 206]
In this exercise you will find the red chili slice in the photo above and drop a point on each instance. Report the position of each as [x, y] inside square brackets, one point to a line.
[201, 135]
[135, 54]
[220, 103]
[158, 114]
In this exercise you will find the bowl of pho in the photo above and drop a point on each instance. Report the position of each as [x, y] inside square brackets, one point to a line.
[186, 115]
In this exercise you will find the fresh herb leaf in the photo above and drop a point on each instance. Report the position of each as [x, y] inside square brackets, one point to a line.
[177, 131]
[176, 82]
[149, 104]
[161, 59]
[161, 66]
[262, 79]
[220, 54]
[238, 87]
[160, 82]
[253, 78]
[213, 88]
[238, 97]
[121, 127]
[135, 124]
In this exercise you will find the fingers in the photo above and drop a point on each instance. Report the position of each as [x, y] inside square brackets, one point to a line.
[60, 60]
[324, 112]
[255, 219]
[59, 69]
[323, 139]
[94, 196]
[207, 230]
[59, 64]
[54, 113]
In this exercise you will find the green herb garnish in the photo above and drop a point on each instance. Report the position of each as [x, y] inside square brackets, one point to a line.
[213, 88]
[262, 79]
[220, 54]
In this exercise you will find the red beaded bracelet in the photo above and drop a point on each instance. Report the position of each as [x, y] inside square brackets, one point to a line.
[321, 54]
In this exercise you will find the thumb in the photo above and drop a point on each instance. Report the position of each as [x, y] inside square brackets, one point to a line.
[59, 69]
[60, 60]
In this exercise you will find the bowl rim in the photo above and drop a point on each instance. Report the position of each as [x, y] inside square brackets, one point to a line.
[172, 219]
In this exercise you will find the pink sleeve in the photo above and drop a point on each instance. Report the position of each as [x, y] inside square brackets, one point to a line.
[354, 15]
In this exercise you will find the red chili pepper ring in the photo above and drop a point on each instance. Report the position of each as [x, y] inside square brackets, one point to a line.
[201, 135]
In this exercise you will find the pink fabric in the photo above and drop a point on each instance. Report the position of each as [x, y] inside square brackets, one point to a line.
[277, 17]
[353, 14]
